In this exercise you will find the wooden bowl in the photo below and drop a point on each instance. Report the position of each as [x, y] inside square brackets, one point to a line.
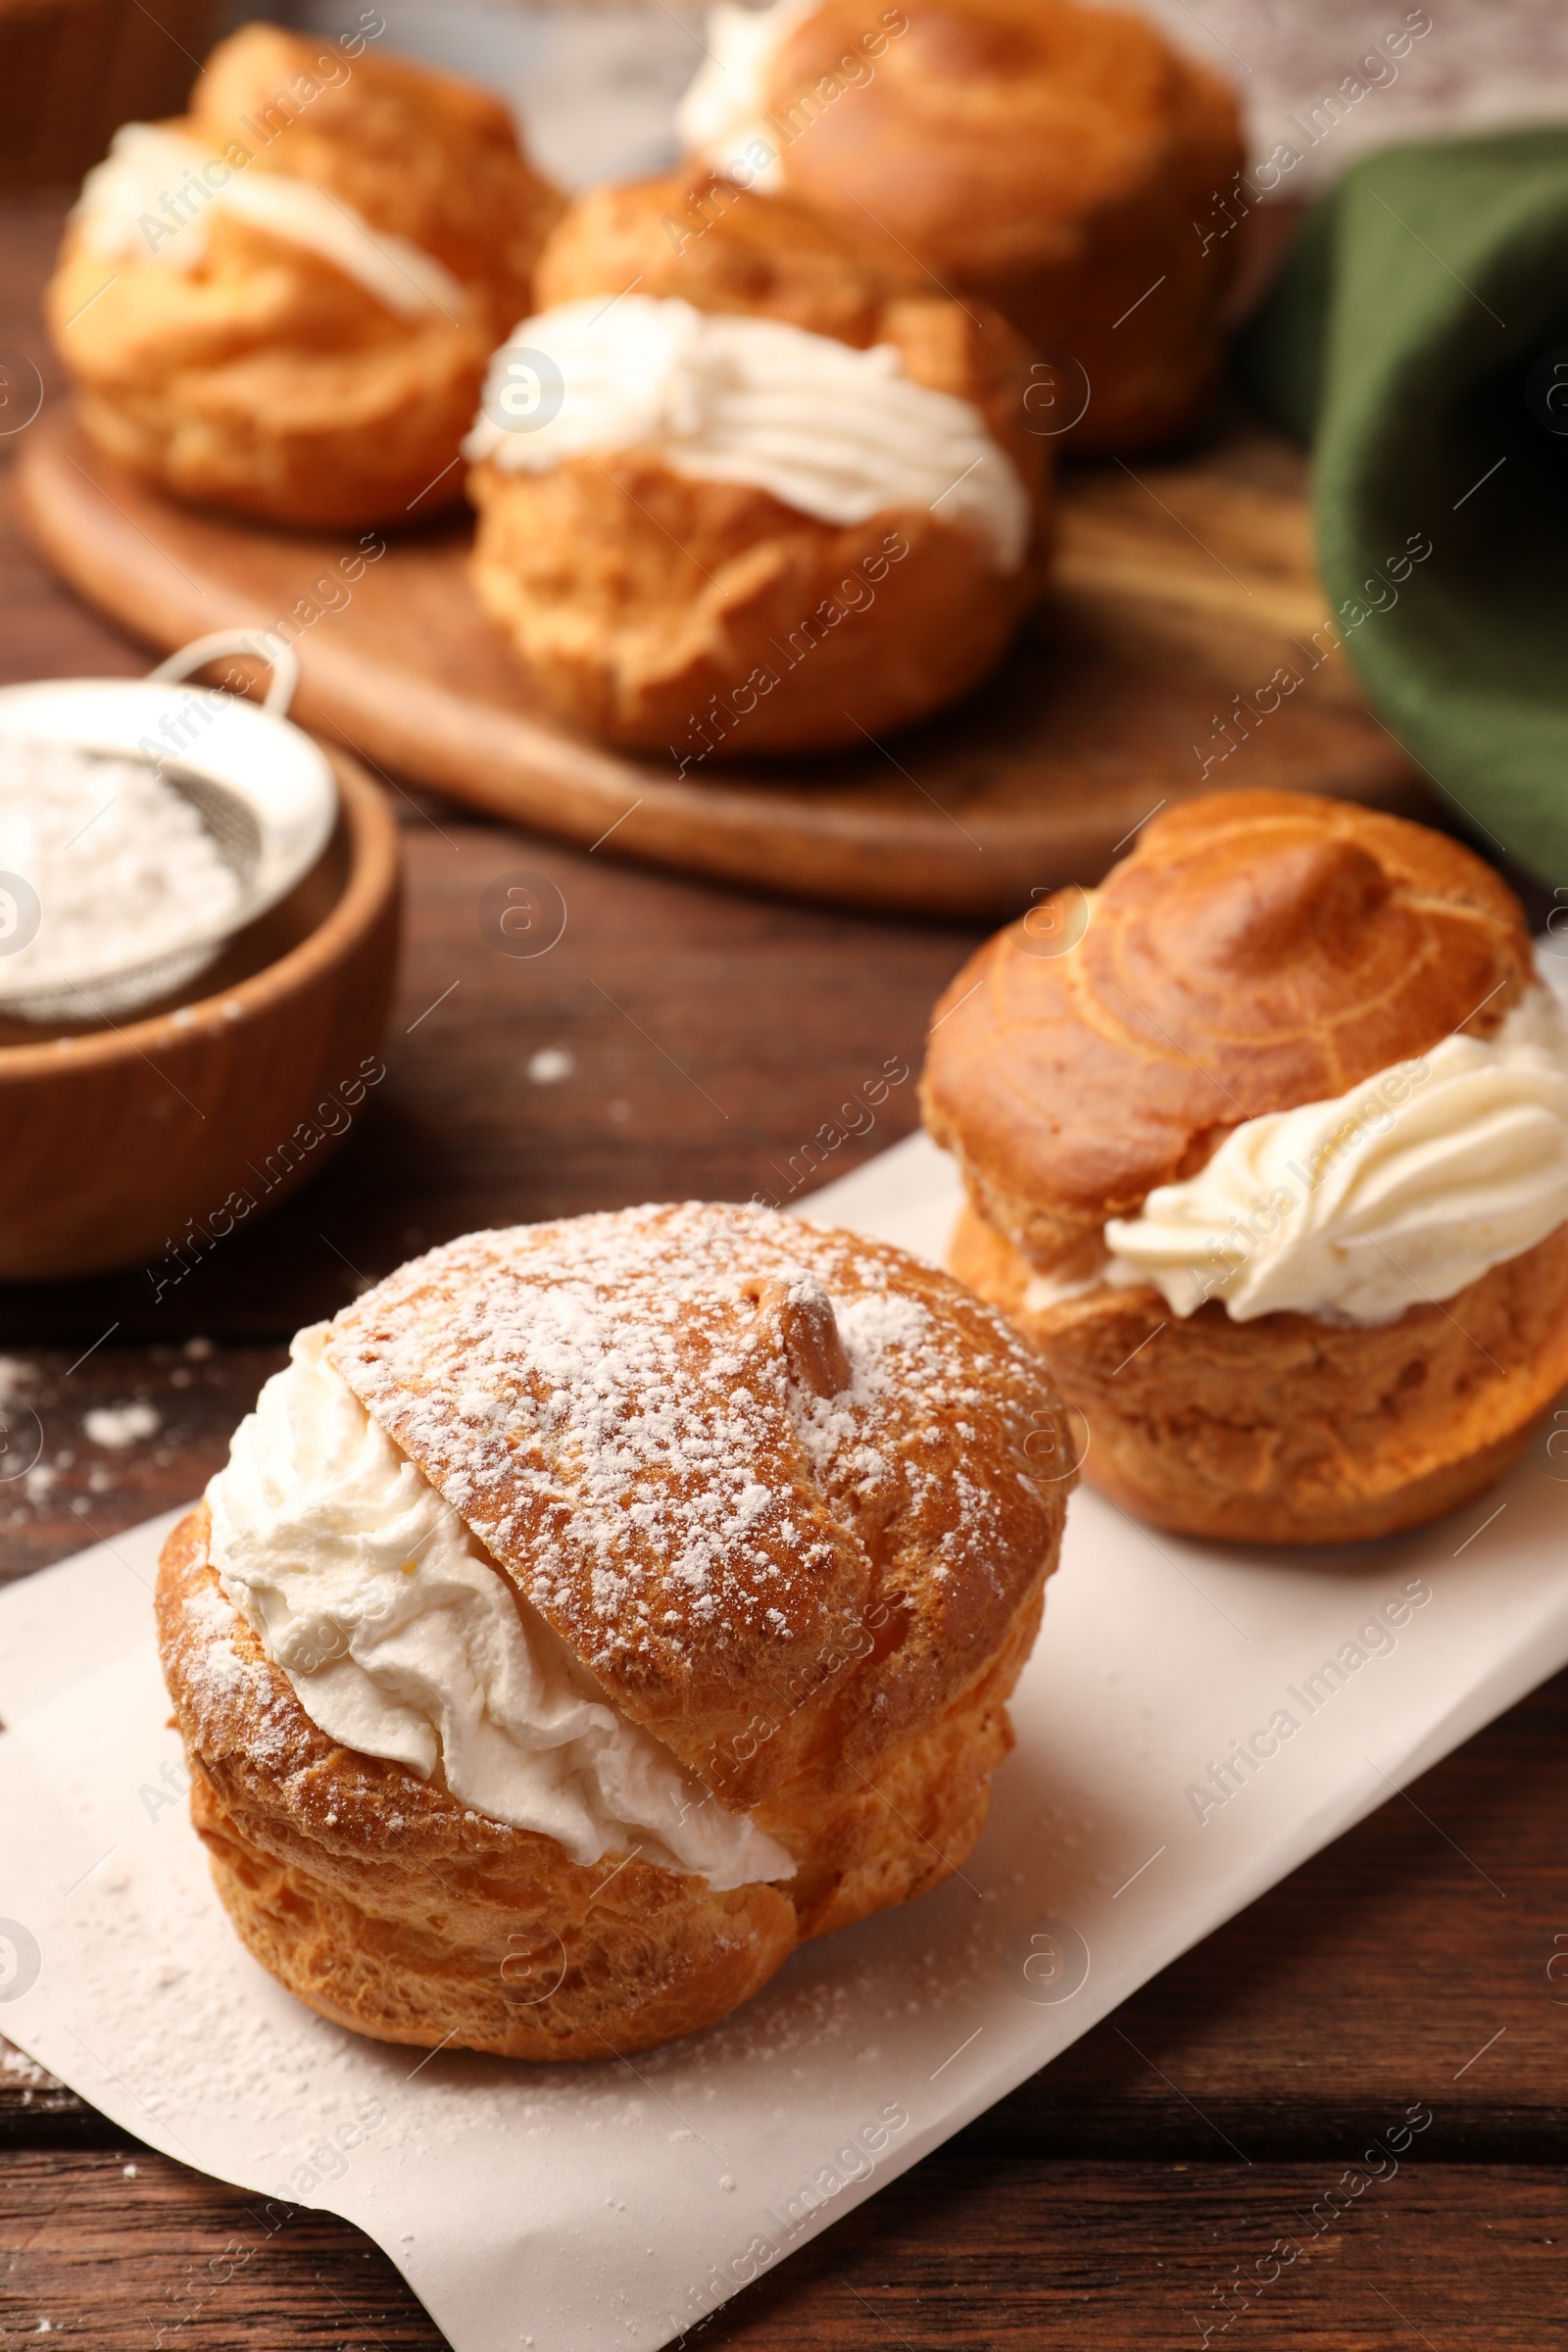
[151, 1143]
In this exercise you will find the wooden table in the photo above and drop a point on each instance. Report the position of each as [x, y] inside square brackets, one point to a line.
[1113, 2200]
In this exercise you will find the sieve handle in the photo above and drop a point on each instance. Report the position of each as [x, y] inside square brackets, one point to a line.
[284, 663]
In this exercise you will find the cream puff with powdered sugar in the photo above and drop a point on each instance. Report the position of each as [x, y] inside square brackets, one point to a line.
[595, 1611]
[738, 484]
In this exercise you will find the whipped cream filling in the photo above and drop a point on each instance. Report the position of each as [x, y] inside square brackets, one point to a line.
[403, 1640]
[723, 116]
[155, 194]
[838, 433]
[1404, 1190]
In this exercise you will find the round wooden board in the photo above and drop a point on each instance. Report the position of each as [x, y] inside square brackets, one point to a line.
[1180, 591]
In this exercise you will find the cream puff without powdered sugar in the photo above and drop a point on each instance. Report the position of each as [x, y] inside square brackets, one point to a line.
[1047, 157]
[283, 303]
[595, 1611]
[737, 483]
[1266, 1149]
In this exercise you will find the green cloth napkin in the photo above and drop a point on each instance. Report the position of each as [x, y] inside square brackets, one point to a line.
[1412, 338]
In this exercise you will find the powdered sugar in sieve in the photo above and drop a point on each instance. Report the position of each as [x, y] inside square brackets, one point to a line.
[142, 824]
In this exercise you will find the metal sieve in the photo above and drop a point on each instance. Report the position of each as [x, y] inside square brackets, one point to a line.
[263, 792]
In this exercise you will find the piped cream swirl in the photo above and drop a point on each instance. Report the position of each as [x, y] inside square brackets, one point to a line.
[153, 196]
[836, 432]
[403, 1640]
[1404, 1190]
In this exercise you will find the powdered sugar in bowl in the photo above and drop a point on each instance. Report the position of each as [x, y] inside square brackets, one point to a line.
[142, 823]
[175, 1098]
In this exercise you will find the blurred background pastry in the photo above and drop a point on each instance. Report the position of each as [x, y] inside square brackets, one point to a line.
[1048, 158]
[283, 302]
[736, 487]
[1266, 1148]
[596, 1610]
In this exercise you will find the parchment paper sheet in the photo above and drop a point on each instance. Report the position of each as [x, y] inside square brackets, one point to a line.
[580, 2208]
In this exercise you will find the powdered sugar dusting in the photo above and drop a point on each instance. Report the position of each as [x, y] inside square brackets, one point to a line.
[219, 1676]
[609, 1405]
[20, 2072]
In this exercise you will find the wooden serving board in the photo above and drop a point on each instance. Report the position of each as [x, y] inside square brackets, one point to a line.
[1180, 590]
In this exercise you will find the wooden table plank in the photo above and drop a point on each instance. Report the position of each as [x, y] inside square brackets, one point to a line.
[130, 2252]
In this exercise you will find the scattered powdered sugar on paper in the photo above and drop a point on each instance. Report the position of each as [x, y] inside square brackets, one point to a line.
[134, 1929]
[142, 1946]
[155, 2000]
[820, 2001]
